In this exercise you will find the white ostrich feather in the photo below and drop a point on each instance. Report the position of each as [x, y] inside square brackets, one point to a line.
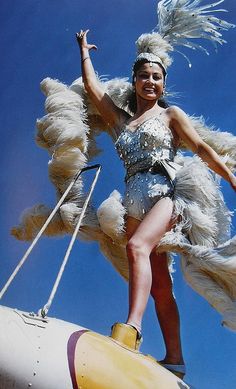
[179, 21]
[111, 216]
[224, 143]
[155, 44]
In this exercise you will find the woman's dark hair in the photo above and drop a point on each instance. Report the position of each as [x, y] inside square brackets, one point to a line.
[132, 102]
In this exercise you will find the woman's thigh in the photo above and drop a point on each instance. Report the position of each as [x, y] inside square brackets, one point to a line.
[131, 226]
[156, 223]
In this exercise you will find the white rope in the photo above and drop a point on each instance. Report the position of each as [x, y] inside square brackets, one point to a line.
[47, 306]
[22, 261]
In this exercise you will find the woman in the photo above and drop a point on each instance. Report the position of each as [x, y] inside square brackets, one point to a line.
[150, 185]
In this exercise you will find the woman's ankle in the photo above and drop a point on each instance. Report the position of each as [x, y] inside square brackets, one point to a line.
[135, 325]
[173, 360]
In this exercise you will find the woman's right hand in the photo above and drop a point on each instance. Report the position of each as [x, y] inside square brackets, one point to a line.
[82, 41]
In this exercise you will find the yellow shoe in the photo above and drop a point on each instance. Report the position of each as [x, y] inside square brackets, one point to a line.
[127, 334]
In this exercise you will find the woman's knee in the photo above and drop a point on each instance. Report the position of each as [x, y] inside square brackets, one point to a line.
[136, 247]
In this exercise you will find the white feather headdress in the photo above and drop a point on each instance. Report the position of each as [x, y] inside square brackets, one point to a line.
[180, 21]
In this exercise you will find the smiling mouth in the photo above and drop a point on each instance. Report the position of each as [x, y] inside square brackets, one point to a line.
[149, 89]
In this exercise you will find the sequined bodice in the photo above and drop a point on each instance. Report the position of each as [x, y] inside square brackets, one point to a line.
[152, 141]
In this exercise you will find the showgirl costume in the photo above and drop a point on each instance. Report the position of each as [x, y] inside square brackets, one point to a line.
[154, 169]
[148, 153]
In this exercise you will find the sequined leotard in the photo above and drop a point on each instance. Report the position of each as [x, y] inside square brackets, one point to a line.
[146, 152]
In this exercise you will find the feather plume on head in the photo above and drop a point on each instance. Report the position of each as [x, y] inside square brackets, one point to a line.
[180, 21]
[155, 47]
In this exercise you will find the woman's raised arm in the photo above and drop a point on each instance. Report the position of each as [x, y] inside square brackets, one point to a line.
[111, 114]
[180, 122]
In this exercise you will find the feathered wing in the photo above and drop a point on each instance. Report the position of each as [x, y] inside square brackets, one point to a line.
[68, 132]
[63, 132]
[204, 222]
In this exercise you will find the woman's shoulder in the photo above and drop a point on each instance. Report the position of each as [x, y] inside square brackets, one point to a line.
[174, 116]
[171, 115]
[174, 112]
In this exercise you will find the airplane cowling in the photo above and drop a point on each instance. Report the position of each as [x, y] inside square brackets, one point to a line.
[54, 354]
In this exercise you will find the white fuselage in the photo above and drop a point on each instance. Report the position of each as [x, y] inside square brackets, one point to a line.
[33, 352]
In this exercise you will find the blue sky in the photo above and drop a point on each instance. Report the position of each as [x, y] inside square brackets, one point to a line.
[38, 40]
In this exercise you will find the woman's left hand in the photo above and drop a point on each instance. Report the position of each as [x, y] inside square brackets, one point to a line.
[82, 40]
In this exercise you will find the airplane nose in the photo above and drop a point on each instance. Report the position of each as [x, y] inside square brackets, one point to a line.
[51, 353]
[33, 351]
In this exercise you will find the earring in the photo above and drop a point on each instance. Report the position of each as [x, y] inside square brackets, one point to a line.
[164, 90]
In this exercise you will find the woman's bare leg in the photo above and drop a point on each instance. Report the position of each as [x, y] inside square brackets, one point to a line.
[166, 308]
[142, 241]
[138, 291]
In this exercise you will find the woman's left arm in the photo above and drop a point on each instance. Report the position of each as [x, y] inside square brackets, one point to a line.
[181, 124]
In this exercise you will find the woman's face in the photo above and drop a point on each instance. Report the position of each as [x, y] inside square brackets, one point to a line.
[149, 81]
